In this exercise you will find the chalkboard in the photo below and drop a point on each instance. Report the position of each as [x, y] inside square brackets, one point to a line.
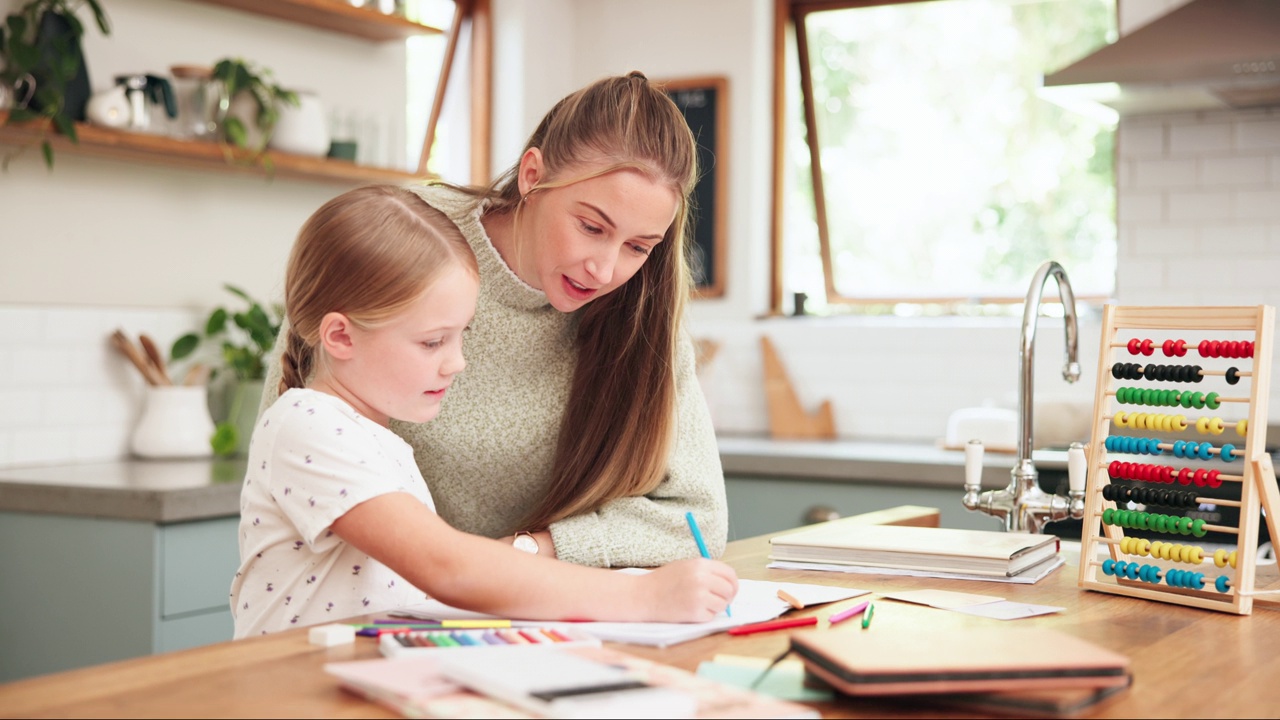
[703, 102]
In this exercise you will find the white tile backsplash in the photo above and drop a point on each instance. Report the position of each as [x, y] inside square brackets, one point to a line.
[66, 395]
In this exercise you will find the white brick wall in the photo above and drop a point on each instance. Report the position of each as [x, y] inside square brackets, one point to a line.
[66, 395]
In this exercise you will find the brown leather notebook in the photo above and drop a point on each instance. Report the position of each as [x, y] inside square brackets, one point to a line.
[957, 661]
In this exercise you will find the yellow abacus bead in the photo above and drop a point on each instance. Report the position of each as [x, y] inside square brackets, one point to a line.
[1155, 548]
[1166, 422]
[1215, 426]
[1220, 558]
[1197, 555]
[1140, 421]
[1231, 559]
[1144, 547]
[1242, 427]
[1185, 554]
[1202, 426]
[1180, 422]
[1124, 545]
[1121, 419]
[1166, 552]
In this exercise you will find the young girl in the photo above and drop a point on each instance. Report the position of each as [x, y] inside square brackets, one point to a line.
[336, 520]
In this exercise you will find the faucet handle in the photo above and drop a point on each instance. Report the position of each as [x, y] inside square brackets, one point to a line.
[973, 465]
[1077, 467]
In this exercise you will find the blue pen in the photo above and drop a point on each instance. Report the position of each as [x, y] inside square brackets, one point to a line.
[702, 548]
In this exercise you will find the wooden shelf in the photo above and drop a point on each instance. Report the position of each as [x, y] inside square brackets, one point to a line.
[206, 156]
[335, 16]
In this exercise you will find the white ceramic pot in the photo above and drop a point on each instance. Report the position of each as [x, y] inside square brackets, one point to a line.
[175, 423]
[109, 108]
[302, 129]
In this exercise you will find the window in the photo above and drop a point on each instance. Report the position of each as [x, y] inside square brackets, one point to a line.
[921, 169]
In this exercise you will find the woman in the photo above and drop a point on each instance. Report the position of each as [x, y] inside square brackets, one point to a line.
[578, 429]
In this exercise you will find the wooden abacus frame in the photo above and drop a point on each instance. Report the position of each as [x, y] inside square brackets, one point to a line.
[1257, 488]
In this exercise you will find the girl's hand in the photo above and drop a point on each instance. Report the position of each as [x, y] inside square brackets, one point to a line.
[693, 590]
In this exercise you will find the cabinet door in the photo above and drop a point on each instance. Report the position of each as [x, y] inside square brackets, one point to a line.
[198, 561]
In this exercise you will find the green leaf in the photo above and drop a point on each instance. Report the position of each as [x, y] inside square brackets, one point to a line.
[47, 150]
[225, 439]
[235, 132]
[100, 17]
[184, 346]
[238, 292]
[217, 322]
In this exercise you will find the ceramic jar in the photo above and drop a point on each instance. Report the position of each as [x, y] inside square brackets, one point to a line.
[175, 423]
[303, 129]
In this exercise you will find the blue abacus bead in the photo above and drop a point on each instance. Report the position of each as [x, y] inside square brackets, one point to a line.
[1144, 574]
[1179, 447]
[1109, 567]
[1109, 443]
[1173, 578]
[1228, 452]
[1197, 581]
[1204, 451]
[1221, 584]
[1132, 571]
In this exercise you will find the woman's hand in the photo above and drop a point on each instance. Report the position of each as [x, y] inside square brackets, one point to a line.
[693, 590]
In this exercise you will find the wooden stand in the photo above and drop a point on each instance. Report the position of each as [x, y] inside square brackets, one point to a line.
[1252, 469]
[787, 419]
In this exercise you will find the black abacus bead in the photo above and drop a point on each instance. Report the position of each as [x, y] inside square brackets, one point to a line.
[1117, 371]
[1108, 492]
[1184, 373]
[1233, 376]
[1197, 373]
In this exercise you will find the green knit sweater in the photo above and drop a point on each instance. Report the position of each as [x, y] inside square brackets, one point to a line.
[487, 456]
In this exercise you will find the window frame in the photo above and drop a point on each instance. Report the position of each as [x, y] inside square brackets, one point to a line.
[789, 18]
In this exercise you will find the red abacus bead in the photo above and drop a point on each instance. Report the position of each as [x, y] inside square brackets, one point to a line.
[1199, 477]
[1248, 348]
[1166, 475]
[1133, 346]
[1184, 476]
[1167, 347]
[1114, 469]
[1180, 348]
[1149, 473]
[1213, 479]
[1231, 349]
[1203, 348]
[1146, 347]
[1215, 348]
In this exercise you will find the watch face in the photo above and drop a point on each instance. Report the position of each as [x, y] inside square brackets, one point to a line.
[526, 543]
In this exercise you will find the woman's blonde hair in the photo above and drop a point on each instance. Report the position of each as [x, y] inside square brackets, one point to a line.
[367, 253]
[619, 425]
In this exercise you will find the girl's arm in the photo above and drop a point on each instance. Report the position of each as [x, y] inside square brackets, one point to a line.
[651, 530]
[484, 575]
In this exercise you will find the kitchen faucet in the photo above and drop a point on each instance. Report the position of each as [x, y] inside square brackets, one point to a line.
[1023, 506]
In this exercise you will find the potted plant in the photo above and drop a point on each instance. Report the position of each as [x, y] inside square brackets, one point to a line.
[242, 338]
[250, 104]
[44, 71]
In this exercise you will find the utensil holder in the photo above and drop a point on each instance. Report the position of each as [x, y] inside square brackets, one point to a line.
[175, 423]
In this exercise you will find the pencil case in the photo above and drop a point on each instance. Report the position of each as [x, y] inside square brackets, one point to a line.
[424, 642]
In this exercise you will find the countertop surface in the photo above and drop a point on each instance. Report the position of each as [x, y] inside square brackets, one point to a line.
[168, 491]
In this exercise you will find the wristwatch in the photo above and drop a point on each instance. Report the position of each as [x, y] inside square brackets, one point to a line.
[526, 542]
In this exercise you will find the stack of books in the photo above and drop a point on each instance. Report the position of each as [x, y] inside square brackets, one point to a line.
[970, 552]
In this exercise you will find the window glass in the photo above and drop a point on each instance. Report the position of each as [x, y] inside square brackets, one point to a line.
[946, 173]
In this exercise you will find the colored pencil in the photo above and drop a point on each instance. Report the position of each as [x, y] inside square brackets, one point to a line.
[773, 625]
[846, 614]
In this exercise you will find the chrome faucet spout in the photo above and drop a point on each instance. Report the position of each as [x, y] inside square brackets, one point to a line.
[1030, 317]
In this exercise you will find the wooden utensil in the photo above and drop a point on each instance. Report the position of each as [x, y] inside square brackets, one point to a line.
[135, 356]
[156, 358]
[197, 374]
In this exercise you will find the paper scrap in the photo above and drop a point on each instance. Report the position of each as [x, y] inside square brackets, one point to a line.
[945, 599]
[1007, 610]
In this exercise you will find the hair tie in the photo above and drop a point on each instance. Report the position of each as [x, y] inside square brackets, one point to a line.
[636, 75]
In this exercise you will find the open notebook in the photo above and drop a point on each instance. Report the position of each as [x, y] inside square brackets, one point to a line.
[757, 601]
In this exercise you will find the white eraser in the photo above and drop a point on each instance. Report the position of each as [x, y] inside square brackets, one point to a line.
[331, 634]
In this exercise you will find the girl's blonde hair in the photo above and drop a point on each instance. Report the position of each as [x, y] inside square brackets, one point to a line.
[619, 425]
[367, 253]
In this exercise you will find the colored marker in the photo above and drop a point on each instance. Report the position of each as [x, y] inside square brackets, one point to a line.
[702, 548]
[772, 625]
[437, 624]
[846, 614]
[866, 616]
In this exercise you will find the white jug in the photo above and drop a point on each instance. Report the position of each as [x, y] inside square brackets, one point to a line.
[109, 108]
[301, 130]
[175, 423]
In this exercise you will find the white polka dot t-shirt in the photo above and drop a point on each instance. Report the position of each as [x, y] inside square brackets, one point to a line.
[312, 458]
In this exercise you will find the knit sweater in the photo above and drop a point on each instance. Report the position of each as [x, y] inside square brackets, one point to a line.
[487, 456]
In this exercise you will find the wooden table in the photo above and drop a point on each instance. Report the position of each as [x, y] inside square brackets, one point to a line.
[1186, 662]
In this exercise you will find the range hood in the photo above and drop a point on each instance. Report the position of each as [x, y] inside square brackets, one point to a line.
[1207, 54]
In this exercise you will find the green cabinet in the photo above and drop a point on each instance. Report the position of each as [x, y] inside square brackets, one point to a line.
[762, 504]
[77, 591]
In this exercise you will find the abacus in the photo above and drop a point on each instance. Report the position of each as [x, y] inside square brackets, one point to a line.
[1208, 415]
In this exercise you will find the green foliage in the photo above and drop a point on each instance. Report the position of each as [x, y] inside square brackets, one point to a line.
[24, 61]
[239, 75]
[245, 336]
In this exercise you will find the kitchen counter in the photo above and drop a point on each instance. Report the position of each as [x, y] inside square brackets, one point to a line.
[911, 463]
[158, 491]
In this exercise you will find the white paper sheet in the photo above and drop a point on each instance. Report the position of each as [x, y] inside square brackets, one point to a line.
[756, 601]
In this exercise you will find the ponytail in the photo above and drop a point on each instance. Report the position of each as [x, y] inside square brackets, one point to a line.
[295, 362]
